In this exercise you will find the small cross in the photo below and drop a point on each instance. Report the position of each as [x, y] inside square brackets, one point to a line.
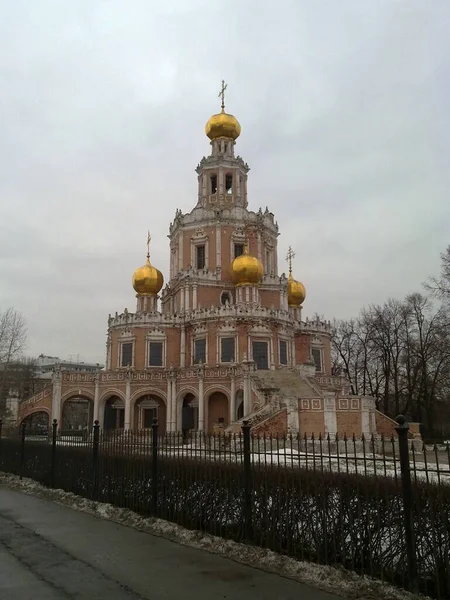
[290, 255]
[222, 93]
[149, 238]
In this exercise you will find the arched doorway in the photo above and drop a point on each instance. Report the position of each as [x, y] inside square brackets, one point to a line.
[77, 414]
[218, 412]
[146, 409]
[37, 423]
[239, 404]
[189, 413]
[114, 414]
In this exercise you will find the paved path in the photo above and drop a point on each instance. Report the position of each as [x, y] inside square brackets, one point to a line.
[51, 552]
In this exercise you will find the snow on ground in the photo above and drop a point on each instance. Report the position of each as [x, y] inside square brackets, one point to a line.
[331, 579]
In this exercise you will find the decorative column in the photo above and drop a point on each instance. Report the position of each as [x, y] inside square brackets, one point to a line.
[271, 355]
[218, 245]
[56, 398]
[367, 407]
[181, 298]
[169, 417]
[293, 352]
[127, 416]
[176, 424]
[186, 297]
[329, 413]
[194, 296]
[233, 397]
[183, 347]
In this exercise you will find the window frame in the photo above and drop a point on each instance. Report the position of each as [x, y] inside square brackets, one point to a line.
[320, 353]
[163, 352]
[121, 345]
[194, 358]
[236, 245]
[197, 248]
[280, 342]
[228, 337]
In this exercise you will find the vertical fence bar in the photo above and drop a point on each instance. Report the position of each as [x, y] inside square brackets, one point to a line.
[1, 424]
[248, 525]
[95, 452]
[402, 431]
[22, 449]
[53, 458]
[155, 467]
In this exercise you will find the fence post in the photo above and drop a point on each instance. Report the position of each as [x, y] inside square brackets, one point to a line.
[248, 525]
[22, 448]
[402, 429]
[53, 464]
[155, 467]
[95, 449]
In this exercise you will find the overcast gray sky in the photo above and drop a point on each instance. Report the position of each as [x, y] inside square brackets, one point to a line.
[344, 107]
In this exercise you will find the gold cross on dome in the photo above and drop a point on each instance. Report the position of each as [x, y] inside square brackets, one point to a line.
[290, 255]
[222, 93]
[149, 239]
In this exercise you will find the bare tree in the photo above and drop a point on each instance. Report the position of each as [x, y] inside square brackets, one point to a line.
[13, 337]
[440, 286]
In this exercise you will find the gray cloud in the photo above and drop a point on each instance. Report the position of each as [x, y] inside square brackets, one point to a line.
[343, 107]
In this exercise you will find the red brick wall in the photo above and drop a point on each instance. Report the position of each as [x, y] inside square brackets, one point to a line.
[311, 422]
[276, 425]
[348, 423]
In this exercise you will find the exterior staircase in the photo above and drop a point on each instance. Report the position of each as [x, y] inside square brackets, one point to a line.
[277, 388]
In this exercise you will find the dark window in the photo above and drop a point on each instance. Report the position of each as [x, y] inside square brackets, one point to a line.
[155, 358]
[149, 415]
[317, 357]
[227, 348]
[238, 250]
[225, 147]
[225, 297]
[127, 354]
[213, 184]
[200, 351]
[229, 183]
[260, 355]
[200, 257]
[283, 352]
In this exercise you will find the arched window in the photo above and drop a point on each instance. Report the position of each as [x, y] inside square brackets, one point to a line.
[225, 297]
[229, 183]
[213, 184]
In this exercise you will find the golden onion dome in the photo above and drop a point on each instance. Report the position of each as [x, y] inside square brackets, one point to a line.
[296, 292]
[147, 280]
[246, 270]
[223, 125]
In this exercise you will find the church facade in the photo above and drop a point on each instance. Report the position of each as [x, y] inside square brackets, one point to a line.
[223, 340]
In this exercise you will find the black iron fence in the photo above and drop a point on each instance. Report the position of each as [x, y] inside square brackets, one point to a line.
[377, 506]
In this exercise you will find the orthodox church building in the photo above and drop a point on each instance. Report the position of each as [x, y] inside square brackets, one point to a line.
[223, 339]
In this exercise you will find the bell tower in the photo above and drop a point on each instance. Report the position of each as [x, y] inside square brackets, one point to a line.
[222, 176]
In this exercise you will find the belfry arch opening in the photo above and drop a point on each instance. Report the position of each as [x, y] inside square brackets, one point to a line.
[229, 183]
[213, 184]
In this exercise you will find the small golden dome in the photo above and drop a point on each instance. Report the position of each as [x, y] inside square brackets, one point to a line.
[223, 125]
[296, 292]
[247, 270]
[147, 280]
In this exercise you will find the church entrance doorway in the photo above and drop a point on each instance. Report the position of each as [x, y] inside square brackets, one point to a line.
[77, 415]
[261, 355]
[114, 414]
[218, 412]
[189, 414]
